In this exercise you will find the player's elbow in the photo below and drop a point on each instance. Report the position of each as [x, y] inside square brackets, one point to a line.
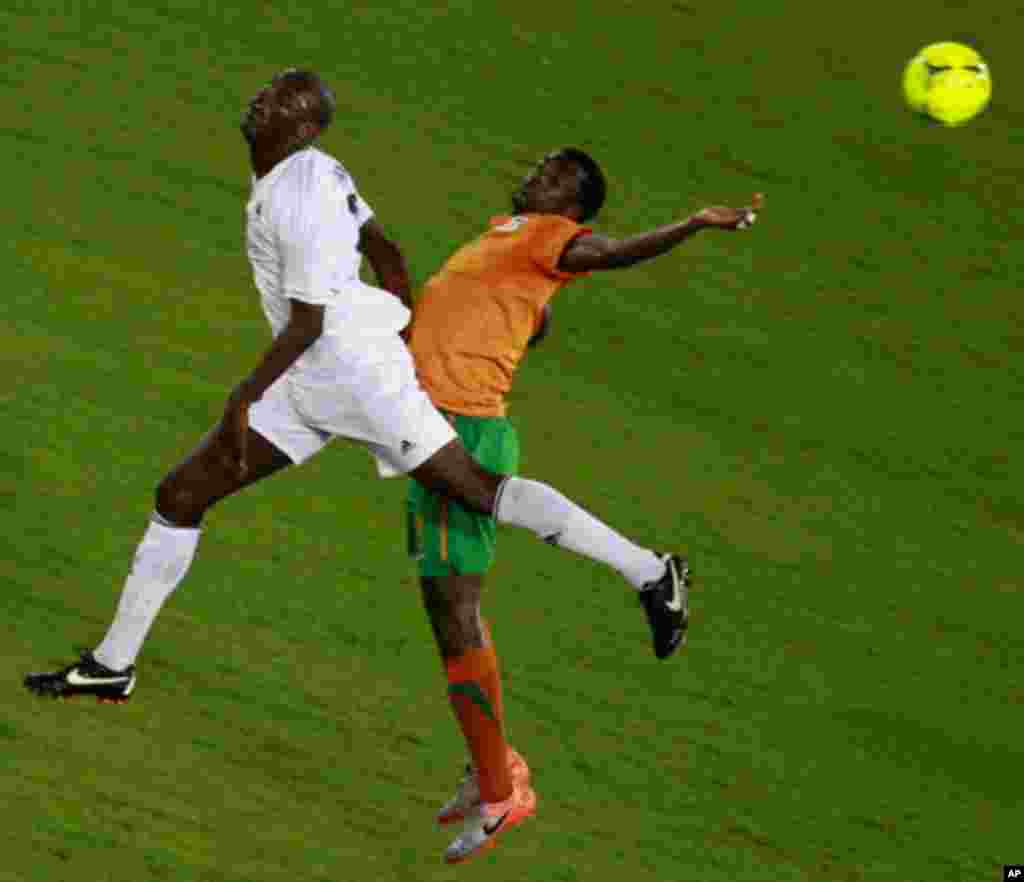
[306, 323]
[586, 254]
[603, 254]
[620, 253]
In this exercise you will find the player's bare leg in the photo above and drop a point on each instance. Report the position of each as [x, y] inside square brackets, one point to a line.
[662, 580]
[452, 471]
[209, 474]
[498, 776]
[539, 508]
[162, 559]
[474, 689]
[453, 607]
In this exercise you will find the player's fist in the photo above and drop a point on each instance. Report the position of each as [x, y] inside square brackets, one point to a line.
[726, 218]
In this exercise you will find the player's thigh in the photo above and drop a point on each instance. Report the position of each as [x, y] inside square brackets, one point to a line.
[453, 472]
[281, 418]
[278, 437]
[208, 474]
[449, 537]
[377, 400]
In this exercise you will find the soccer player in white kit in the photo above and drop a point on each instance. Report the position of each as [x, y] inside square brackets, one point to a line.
[337, 366]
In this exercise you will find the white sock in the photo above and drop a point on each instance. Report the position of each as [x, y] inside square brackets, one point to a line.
[161, 561]
[558, 520]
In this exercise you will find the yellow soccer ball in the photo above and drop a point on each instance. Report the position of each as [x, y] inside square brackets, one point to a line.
[949, 82]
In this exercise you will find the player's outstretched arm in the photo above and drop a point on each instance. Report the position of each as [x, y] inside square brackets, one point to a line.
[594, 252]
[386, 260]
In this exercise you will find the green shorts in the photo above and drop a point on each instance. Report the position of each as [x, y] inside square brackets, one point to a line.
[445, 537]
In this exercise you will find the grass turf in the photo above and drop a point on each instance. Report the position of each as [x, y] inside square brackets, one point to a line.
[825, 413]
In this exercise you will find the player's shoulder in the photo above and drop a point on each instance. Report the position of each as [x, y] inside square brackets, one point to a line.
[540, 239]
[312, 171]
[310, 182]
[325, 168]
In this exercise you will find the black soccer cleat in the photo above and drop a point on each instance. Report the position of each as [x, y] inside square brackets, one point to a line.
[85, 677]
[666, 603]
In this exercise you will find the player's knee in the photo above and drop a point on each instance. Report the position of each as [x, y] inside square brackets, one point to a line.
[177, 502]
[453, 472]
[464, 614]
[481, 490]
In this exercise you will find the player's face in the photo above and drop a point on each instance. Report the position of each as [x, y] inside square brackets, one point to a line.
[276, 112]
[551, 188]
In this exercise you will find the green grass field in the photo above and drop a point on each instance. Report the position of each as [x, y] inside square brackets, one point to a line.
[826, 413]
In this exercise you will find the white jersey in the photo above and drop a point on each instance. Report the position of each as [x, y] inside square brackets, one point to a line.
[302, 232]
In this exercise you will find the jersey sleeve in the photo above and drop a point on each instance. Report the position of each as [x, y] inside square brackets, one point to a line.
[345, 186]
[359, 209]
[548, 240]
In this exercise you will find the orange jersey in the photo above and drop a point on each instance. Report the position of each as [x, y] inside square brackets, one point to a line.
[474, 318]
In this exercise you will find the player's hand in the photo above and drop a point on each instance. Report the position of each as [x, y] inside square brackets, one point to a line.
[234, 431]
[725, 218]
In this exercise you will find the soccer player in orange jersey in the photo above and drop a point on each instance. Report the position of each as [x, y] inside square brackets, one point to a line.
[472, 323]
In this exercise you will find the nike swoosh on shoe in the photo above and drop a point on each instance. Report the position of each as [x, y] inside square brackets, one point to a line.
[490, 830]
[76, 679]
[675, 604]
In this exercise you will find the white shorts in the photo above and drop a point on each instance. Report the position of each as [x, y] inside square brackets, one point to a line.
[379, 403]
